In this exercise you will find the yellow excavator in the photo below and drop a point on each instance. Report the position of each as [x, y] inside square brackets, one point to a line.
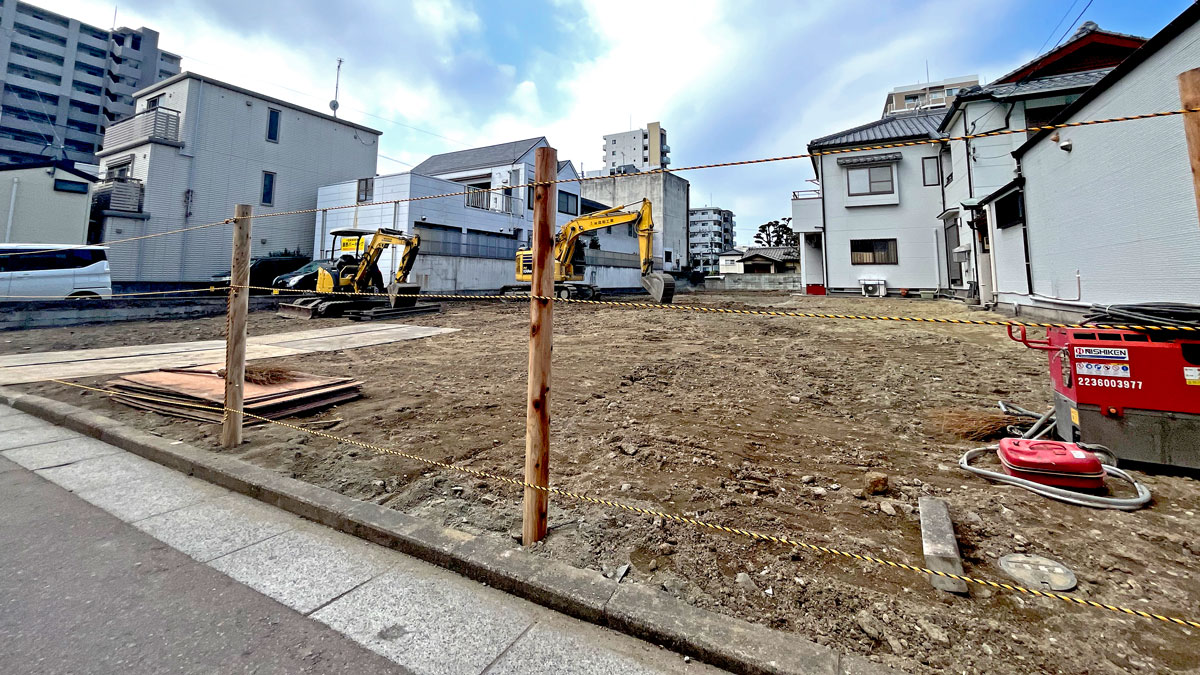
[351, 273]
[569, 256]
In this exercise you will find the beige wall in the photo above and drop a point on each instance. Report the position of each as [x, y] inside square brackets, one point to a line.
[40, 214]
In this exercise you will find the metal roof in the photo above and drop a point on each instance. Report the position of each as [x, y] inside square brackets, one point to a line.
[1038, 85]
[476, 158]
[878, 158]
[897, 126]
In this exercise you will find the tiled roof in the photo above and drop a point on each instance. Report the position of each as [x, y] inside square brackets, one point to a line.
[1036, 86]
[776, 253]
[476, 158]
[897, 126]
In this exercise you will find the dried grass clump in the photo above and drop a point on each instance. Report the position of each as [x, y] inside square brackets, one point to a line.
[973, 425]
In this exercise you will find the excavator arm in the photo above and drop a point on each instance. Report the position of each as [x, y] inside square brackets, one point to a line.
[382, 239]
[660, 286]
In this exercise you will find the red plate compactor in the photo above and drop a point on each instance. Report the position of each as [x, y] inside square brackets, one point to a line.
[1137, 392]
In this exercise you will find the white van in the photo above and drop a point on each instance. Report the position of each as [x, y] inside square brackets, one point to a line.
[53, 271]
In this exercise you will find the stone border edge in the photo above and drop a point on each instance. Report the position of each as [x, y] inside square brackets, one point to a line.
[636, 610]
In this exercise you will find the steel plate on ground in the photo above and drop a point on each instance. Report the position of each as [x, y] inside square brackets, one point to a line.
[1034, 571]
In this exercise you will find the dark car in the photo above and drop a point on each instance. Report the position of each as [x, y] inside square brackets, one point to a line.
[263, 271]
[303, 279]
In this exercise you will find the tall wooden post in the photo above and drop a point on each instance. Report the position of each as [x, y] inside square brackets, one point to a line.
[235, 339]
[1189, 95]
[541, 312]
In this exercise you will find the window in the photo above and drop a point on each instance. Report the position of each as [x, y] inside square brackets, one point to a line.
[875, 180]
[614, 153]
[614, 141]
[135, 43]
[951, 91]
[873, 252]
[366, 189]
[70, 186]
[666, 256]
[268, 188]
[630, 229]
[929, 171]
[568, 203]
[1010, 210]
[152, 103]
[273, 117]
[911, 99]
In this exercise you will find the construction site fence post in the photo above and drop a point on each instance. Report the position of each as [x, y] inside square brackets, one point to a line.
[1189, 95]
[541, 312]
[235, 333]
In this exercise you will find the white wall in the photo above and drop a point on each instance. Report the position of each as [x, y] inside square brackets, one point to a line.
[912, 221]
[669, 196]
[1120, 206]
[41, 214]
[224, 155]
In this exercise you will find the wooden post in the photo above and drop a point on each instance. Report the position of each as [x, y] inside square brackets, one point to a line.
[235, 338]
[1189, 95]
[541, 312]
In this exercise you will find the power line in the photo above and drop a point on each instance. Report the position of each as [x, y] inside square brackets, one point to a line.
[1055, 29]
[1076, 21]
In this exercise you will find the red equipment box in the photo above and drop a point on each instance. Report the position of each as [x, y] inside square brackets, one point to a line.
[1051, 463]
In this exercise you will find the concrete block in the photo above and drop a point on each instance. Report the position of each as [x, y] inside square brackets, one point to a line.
[939, 544]
[718, 640]
[9, 396]
[92, 474]
[37, 432]
[306, 567]
[58, 453]
[211, 529]
[48, 409]
[429, 621]
[86, 422]
[163, 491]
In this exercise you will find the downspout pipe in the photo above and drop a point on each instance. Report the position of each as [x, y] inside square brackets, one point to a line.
[12, 207]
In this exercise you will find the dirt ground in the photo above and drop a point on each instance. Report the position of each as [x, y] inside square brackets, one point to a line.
[754, 422]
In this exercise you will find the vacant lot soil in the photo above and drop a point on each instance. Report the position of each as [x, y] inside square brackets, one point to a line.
[761, 423]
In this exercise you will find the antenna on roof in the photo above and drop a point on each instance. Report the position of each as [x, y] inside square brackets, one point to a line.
[337, 83]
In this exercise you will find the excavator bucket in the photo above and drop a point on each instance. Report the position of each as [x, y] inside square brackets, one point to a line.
[660, 286]
[402, 295]
[302, 308]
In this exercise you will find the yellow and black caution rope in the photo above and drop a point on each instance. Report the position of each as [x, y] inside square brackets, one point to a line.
[695, 522]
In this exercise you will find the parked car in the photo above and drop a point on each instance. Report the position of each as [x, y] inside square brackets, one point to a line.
[55, 271]
[303, 279]
[264, 270]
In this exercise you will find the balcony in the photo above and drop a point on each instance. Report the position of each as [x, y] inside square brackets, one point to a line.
[119, 194]
[494, 201]
[157, 125]
[806, 211]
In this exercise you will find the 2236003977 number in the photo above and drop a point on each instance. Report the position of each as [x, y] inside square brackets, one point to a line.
[1110, 383]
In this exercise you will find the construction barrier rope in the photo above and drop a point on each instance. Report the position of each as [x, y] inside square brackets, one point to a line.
[746, 312]
[745, 162]
[661, 514]
[120, 241]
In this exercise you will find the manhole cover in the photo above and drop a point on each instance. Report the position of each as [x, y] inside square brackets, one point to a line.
[1037, 572]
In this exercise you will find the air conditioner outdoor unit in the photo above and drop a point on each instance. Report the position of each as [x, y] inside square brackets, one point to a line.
[873, 288]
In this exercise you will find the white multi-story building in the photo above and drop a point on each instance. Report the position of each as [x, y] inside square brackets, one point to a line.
[66, 81]
[872, 228]
[469, 242]
[196, 148]
[642, 149]
[710, 233]
[972, 169]
[927, 94]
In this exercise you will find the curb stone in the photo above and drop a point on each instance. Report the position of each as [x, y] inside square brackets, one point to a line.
[636, 610]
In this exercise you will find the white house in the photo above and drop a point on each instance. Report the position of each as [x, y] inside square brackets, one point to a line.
[1111, 203]
[972, 169]
[45, 203]
[469, 242]
[194, 149]
[873, 225]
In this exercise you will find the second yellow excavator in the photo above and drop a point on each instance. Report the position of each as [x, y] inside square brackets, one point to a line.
[569, 256]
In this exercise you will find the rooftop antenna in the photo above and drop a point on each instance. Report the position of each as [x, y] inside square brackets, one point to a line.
[114, 26]
[337, 83]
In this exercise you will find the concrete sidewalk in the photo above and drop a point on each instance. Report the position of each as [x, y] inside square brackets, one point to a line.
[166, 580]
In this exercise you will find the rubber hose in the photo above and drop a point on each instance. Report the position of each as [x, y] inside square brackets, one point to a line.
[1062, 494]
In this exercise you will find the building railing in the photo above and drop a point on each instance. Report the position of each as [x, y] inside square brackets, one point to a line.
[156, 124]
[494, 201]
[119, 194]
[806, 194]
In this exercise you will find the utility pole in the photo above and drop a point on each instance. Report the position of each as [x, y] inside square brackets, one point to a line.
[541, 314]
[1189, 96]
[235, 338]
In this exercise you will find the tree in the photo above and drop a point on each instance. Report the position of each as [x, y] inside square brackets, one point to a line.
[777, 233]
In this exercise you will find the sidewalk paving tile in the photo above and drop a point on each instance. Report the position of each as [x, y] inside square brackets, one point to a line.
[211, 529]
[58, 453]
[306, 567]
[135, 500]
[36, 432]
[117, 469]
[430, 621]
[14, 419]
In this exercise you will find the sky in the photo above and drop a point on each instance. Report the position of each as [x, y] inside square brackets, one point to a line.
[728, 80]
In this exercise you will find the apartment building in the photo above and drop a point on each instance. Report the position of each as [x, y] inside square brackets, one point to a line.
[710, 233]
[927, 94]
[641, 149]
[66, 81]
[195, 148]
